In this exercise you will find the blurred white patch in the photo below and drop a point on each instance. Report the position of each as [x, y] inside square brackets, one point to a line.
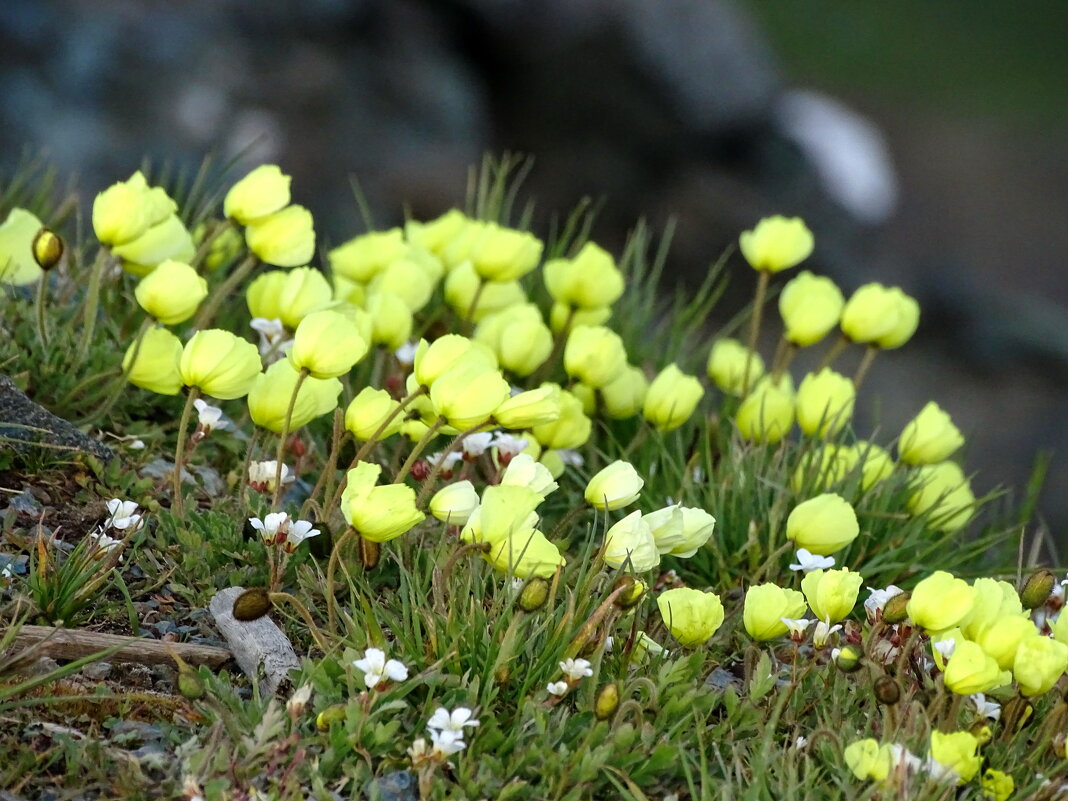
[848, 151]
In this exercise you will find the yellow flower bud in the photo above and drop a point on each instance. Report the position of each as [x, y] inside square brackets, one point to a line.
[554, 463]
[269, 398]
[993, 600]
[570, 430]
[518, 336]
[942, 493]
[523, 471]
[825, 403]
[625, 396]
[810, 306]
[326, 344]
[127, 209]
[726, 366]
[872, 313]
[409, 280]
[468, 395]
[455, 503]
[168, 239]
[672, 398]
[365, 256]
[462, 284]
[929, 437]
[224, 248]
[831, 594]
[433, 360]
[391, 319]
[875, 463]
[18, 266]
[908, 320]
[156, 368]
[767, 413]
[940, 602]
[614, 487]
[776, 243]
[288, 296]
[534, 407]
[367, 412]
[47, 249]
[172, 292]
[867, 760]
[823, 525]
[1039, 664]
[997, 785]
[766, 605]
[970, 670]
[606, 702]
[503, 254]
[1001, 638]
[437, 234]
[691, 616]
[595, 355]
[378, 513]
[219, 364]
[263, 191]
[284, 239]
[588, 281]
[629, 543]
[525, 555]
[506, 509]
[958, 752]
[822, 468]
[1036, 590]
[680, 530]
[562, 315]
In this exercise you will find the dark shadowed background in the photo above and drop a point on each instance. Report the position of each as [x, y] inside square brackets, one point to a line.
[924, 144]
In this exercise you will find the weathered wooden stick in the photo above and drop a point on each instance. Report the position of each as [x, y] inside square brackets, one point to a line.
[76, 643]
[262, 649]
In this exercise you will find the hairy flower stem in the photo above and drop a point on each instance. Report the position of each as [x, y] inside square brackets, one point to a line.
[209, 240]
[571, 515]
[435, 471]
[92, 304]
[331, 570]
[589, 628]
[302, 610]
[115, 390]
[834, 352]
[865, 365]
[784, 355]
[283, 434]
[208, 310]
[179, 450]
[465, 324]
[42, 294]
[326, 475]
[754, 325]
[558, 345]
[250, 450]
[431, 432]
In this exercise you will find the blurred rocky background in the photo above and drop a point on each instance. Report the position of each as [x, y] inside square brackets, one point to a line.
[923, 142]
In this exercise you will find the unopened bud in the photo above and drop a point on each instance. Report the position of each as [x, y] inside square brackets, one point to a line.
[47, 249]
[848, 659]
[1037, 588]
[534, 595]
[607, 702]
[887, 691]
[252, 604]
[894, 611]
[502, 674]
[634, 592]
[981, 732]
[331, 714]
[190, 684]
[1059, 746]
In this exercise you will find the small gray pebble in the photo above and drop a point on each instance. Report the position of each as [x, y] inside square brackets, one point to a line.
[398, 786]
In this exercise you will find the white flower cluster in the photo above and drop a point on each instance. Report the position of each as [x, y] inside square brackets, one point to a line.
[574, 671]
[376, 668]
[261, 475]
[278, 528]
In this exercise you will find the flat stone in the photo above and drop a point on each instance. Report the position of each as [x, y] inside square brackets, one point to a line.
[24, 423]
[398, 786]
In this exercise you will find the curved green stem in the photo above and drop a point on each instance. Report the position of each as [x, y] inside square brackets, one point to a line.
[754, 325]
[281, 452]
[92, 304]
[431, 432]
[207, 311]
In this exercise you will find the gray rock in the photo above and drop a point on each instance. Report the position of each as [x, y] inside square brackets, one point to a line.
[24, 423]
[98, 671]
[399, 786]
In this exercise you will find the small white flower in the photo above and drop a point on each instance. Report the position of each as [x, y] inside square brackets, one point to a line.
[296, 703]
[449, 461]
[210, 417]
[136, 445]
[797, 627]
[261, 475]
[8, 571]
[273, 335]
[405, 354]
[475, 445]
[808, 562]
[104, 543]
[571, 458]
[800, 742]
[273, 528]
[945, 648]
[823, 632]
[375, 668]
[575, 669]
[988, 709]
[419, 751]
[877, 600]
[123, 515]
[508, 445]
[899, 755]
[447, 742]
[454, 721]
[609, 641]
[698, 474]
[557, 687]
[299, 530]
